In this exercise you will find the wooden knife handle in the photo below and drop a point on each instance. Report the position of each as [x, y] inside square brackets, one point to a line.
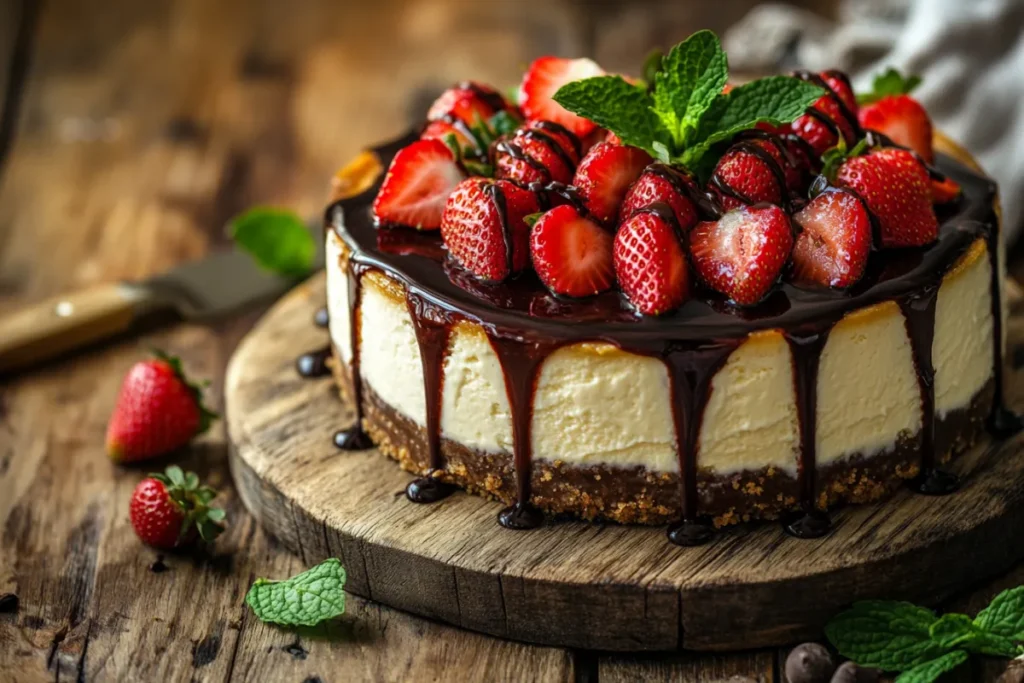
[52, 327]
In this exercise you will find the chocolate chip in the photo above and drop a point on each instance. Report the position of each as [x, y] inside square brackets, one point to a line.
[809, 663]
[8, 603]
[848, 672]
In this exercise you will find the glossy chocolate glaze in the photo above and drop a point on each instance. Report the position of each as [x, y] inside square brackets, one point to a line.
[525, 324]
[314, 363]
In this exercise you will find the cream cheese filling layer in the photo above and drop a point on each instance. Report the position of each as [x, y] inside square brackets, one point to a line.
[596, 404]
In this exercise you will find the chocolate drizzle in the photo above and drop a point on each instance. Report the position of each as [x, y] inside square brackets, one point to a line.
[432, 336]
[354, 438]
[525, 324]
[314, 363]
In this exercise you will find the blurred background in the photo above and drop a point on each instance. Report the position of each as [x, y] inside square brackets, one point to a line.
[146, 125]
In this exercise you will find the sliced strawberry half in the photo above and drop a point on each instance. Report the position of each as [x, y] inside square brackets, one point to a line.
[468, 101]
[571, 253]
[890, 110]
[650, 263]
[539, 152]
[944, 190]
[663, 183]
[474, 225]
[543, 79]
[750, 172]
[604, 177]
[742, 254]
[834, 241]
[417, 185]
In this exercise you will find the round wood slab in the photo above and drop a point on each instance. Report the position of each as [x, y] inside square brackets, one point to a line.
[600, 586]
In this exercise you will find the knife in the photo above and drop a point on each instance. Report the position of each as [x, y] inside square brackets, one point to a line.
[209, 289]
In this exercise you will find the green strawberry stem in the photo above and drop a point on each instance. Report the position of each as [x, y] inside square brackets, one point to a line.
[193, 499]
[890, 82]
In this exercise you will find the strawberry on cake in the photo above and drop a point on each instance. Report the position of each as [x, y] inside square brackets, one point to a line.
[669, 300]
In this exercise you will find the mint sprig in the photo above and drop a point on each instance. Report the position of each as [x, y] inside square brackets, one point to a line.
[686, 113]
[276, 238]
[306, 599]
[902, 637]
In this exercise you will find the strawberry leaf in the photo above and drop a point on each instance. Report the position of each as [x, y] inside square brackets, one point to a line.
[891, 82]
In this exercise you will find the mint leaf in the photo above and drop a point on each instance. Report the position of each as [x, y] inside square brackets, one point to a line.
[692, 75]
[623, 108]
[652, 64]
[893, 636]
[926, 672]
[307, 599]
[1004, 616]
[775, 100]
[277, 239]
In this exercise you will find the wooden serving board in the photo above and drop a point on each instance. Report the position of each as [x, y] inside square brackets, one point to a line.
[574, 584]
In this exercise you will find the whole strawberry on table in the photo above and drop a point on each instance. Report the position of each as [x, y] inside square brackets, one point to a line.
[671, 188]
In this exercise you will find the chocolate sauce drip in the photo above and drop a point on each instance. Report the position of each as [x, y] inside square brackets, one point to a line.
[354, 438]
[491, 98]
[314, 363]
[806, 348]
[432, 333]
[751, 147]
[537, 133]
[525, 323]
[520, 364]
[558, 128]
[322, 318]
[497, 196]
[1003, 422]
[919, 317]
[690, 371]
[705, 204]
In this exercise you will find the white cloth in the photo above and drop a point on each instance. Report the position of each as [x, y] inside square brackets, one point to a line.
[970, 54]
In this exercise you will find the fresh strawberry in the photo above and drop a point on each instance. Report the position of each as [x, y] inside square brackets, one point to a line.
[890, 110]
[470, 102]
[819, 128]
[473, 226]
[539, 152]
[604, 177]
[416, 186]
[169, 510]
[834, 241]
[465, 136]
[839, 83]
[157, 411]
[571, 253]
[750, 172]
[742, 254]
[650, 263]
[944, 190]
[543, 79]
[896, 187]
[663, 183]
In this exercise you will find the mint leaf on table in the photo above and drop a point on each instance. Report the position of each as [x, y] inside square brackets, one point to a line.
[931, 670]
[1004, 616]
[621, 107]
[277, 239]
[691, 76]
[306, 599]
[894, 636]
[954, 631]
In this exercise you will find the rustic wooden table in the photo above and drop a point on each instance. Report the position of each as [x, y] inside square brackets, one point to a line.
[130, 133]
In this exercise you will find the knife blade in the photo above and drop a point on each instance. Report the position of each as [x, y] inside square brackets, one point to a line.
[212, 288]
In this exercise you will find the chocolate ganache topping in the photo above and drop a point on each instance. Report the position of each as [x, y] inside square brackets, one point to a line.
[525, 323]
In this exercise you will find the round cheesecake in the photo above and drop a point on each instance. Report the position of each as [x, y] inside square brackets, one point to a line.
[584, 408]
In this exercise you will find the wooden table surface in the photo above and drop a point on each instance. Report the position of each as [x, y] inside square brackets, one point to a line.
[131, 131]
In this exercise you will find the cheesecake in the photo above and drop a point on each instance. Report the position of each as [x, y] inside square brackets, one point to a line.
[532, 305]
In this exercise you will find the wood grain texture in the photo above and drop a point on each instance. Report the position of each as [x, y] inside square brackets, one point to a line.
[577, 584]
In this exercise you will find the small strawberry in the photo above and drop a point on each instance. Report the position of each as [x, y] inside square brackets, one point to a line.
[571, 253]
[475, 219]
[750, 172]
[742, 254]
[663, 183]
[834, 241]
[157, 411]
[945, 190]
[895, 185]
[539, 152]
[543, 79]
[169, 510]
[469, 102]
[604, 177]
[820, 127]
[890, 110]
[650, 261]
[417, 185]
